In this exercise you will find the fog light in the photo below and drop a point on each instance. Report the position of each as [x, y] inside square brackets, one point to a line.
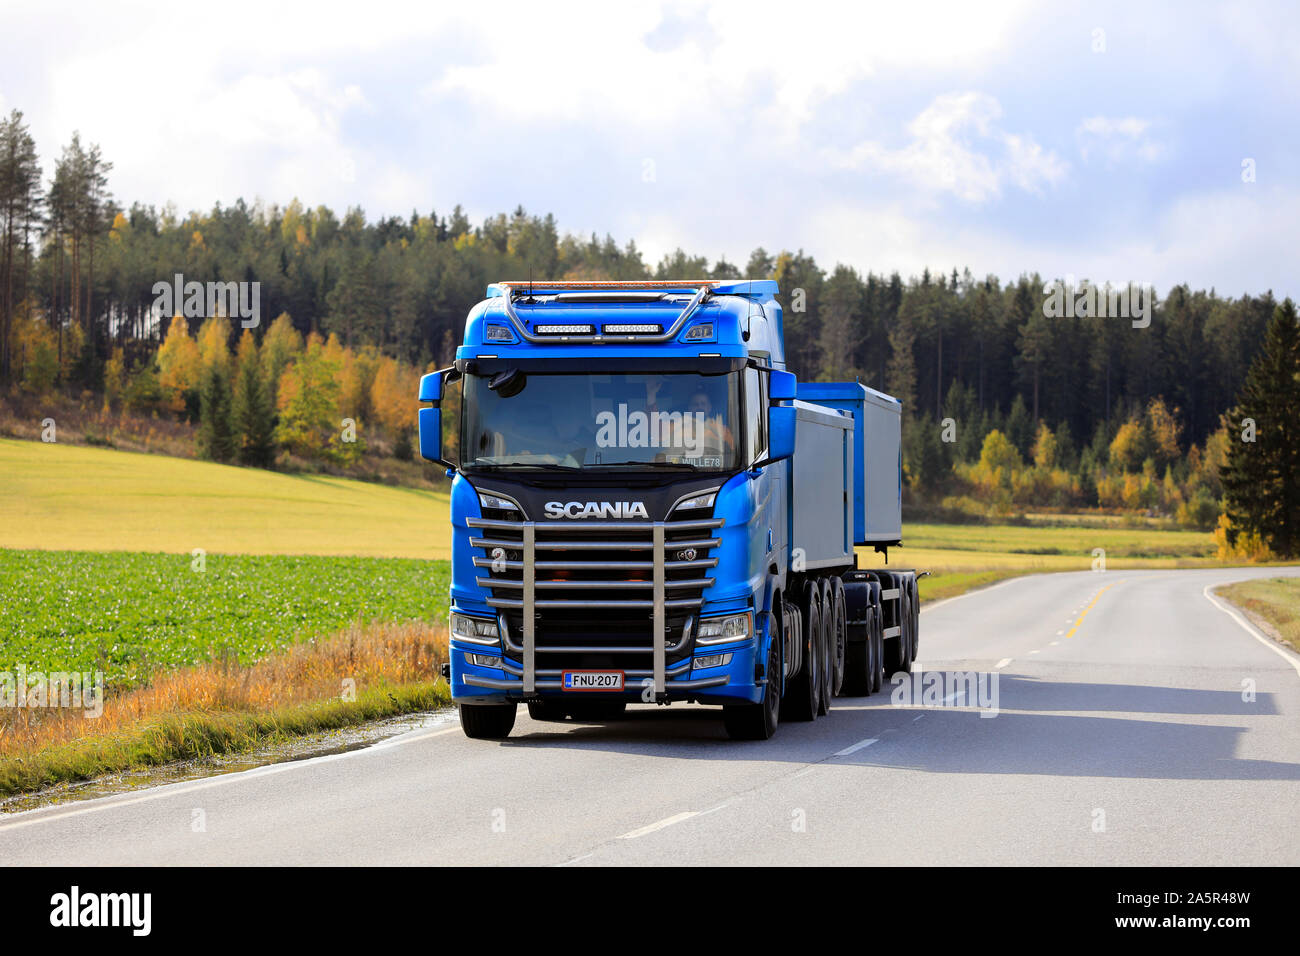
[713, 660]
[687, 554]
[483, 660]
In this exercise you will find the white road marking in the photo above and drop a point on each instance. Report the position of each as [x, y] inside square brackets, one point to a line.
[171, 790]
[1253, 631]
[577, 859]
[1002, 663]
[856, 747]
[1054, 643]
[661, 825]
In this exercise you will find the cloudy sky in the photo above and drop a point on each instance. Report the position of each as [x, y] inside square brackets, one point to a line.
[1108, 141]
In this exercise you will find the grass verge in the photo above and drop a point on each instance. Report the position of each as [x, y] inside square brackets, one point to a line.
[361, 674]
[1274, 602]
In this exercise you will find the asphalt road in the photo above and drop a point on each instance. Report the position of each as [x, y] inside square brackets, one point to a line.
[1123, 735]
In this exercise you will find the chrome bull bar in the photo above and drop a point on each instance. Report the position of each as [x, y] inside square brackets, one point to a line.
[521, 592]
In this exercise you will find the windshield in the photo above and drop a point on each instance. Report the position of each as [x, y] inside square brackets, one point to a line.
[594, 420]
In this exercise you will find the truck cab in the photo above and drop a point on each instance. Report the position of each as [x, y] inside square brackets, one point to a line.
[627, 526]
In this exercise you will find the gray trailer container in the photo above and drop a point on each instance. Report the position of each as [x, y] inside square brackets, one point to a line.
[821, 534]
[877, 460]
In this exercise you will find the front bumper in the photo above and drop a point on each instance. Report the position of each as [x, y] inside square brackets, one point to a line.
[731, 683]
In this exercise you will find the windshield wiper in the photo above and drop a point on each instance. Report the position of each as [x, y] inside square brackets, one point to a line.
[547, 465]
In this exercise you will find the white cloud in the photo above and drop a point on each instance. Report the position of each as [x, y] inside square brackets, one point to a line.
[958, 147]
[1223, 240]
[1117, 140]
[615, 66]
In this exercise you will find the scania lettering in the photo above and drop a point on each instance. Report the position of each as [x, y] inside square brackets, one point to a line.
[596, 509]
[648, 508]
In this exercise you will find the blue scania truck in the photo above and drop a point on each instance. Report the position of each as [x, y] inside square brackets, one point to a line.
[647, 507]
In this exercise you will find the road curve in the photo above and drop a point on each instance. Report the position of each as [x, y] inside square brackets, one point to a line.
[1125, 733]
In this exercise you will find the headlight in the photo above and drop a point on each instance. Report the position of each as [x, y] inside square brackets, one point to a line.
[474, 629]
[719, 630]
[498, 504]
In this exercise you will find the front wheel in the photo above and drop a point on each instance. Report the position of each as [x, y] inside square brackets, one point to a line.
[758, 721]
[487, 721]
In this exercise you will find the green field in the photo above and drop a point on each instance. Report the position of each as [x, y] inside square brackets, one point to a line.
[71, 497]
[131, 615]
[93, 499]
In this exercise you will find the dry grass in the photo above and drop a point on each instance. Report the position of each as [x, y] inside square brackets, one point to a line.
[360, 674]
[1272, 603]
[85, 421]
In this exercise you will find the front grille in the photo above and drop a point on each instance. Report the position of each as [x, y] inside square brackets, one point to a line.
[594, 588]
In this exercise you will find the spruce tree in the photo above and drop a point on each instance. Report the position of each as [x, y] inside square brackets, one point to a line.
[1261, 478]
[253, 416]
[216, 435]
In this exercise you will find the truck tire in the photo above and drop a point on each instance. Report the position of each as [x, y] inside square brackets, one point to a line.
[828, 647]
[596, 711]
[547, 710]
[759, 721]
[487, 721]
[877, 640]
[898, 650]
[916, 615]
[839, 634]
[804, 694]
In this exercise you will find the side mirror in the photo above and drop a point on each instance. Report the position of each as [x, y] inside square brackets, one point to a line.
[780, 428]
[431, 434]
[430, 417]
[431, 386]
[781, 386]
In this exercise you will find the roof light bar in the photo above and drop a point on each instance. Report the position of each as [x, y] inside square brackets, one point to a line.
[537, 285]
[565, 329]
[632, 328]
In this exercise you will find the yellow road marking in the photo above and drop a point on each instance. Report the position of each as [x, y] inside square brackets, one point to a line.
[1096, 597]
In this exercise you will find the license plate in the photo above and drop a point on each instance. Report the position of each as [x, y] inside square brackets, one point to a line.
[593, 680]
